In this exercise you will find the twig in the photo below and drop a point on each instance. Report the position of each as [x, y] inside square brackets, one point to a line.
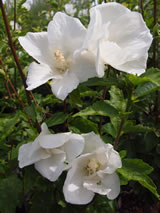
[142, 8]
[14, 51]
[15, 92]
[7, 87]
[118, 134]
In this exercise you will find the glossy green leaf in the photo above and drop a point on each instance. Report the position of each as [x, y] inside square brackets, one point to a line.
[138, 170]
[83, 125]
[99, 108]
[56, 119]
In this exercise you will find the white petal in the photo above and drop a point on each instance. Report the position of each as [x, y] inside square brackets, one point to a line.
[65, 33]
[44, 129]
[92, 142]
[102, 16]
[30, 153]
[94, 184]
[99, 62]
[38, 74]
[73, 189]
[51, 168]
[36, 44]
[62, 87]
[134, 39]
[53, 140]
[73, 147]
[109, 158]
[112, 182]
[84, 66]
[108, 185]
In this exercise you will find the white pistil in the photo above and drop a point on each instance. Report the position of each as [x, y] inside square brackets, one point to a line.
[61, 63]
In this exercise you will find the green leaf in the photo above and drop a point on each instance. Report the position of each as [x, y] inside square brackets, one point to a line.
[75, 98]
[10, 194]
[101, 82]
[123, 153]
[56, 119]
[153, 76]
[99, 108]
[83, 125]
[130, 128]
[117, 99]
[145, 89]
[7, 126]
[138, 170]
[108, 128]
[135, 80]
[30, 110]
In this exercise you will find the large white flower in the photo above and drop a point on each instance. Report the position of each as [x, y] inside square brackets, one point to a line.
[119, 37]
[93, 172]
[51, 153]
[56, 51]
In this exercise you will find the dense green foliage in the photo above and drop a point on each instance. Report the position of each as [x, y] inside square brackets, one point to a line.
[124, 109]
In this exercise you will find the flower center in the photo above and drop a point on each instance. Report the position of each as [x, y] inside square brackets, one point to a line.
[61, 63]
[93, 166]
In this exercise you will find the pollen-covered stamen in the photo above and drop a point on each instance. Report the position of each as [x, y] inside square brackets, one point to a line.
[93, 166]
[61, 63]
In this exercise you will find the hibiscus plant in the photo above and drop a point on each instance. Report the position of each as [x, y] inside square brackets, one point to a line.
[80, 109]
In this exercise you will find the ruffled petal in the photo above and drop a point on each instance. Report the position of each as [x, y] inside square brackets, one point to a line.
[53, 140]
[36, 44]
[112, 182]
[73, 189]
[30, 153]
[38, 74]
[51, 168]
[92, 142]
[73, 147]
[102, 16]
[95, 185]
[62, 87]
[84, 66]
[65, 33]
[108, 185]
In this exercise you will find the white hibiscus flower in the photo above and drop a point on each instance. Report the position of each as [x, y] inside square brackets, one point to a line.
[119, 37]
[51, 154]
[56, 52]
[93, 172]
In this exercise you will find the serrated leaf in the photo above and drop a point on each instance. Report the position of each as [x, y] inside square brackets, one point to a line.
[117, 99]
[99, 108]
[56, 119]
[10, 194]
[153, 76]
[145, 89]
[138, 170]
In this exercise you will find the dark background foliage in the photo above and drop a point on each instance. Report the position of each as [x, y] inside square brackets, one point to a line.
[124, 109]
